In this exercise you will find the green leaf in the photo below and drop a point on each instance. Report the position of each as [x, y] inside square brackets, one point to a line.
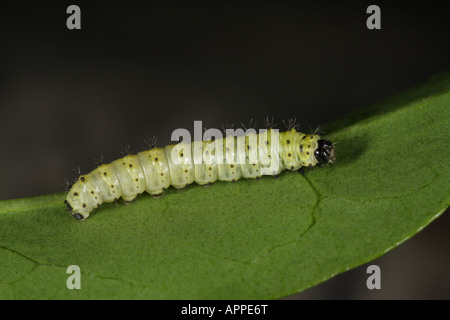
[250, 239]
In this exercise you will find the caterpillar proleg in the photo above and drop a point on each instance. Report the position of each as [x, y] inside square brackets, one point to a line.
[251, 155]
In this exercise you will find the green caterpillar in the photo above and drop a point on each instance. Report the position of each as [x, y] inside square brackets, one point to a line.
[203, 162]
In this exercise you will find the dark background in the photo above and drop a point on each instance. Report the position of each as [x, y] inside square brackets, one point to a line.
[139, 69]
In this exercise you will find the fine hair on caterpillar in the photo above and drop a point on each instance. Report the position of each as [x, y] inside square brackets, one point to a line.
[210, 156]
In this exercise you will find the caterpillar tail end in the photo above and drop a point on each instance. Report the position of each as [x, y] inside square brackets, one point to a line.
[76, 215]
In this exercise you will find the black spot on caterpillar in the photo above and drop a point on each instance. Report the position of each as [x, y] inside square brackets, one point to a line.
[249, 156]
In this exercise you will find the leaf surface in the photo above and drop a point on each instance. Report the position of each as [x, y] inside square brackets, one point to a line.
[250, 239]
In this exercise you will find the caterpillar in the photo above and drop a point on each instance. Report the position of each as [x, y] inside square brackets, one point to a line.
[230, 158]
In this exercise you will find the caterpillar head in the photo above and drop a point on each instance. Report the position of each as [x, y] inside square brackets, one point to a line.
[325, 152]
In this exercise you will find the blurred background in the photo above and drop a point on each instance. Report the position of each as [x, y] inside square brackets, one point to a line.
[138, 69]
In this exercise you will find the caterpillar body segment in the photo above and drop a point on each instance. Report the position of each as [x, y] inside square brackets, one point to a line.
[204, 156]
[204, 162]
[156, 171]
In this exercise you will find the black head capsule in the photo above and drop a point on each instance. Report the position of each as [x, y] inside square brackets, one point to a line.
[325, 152]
